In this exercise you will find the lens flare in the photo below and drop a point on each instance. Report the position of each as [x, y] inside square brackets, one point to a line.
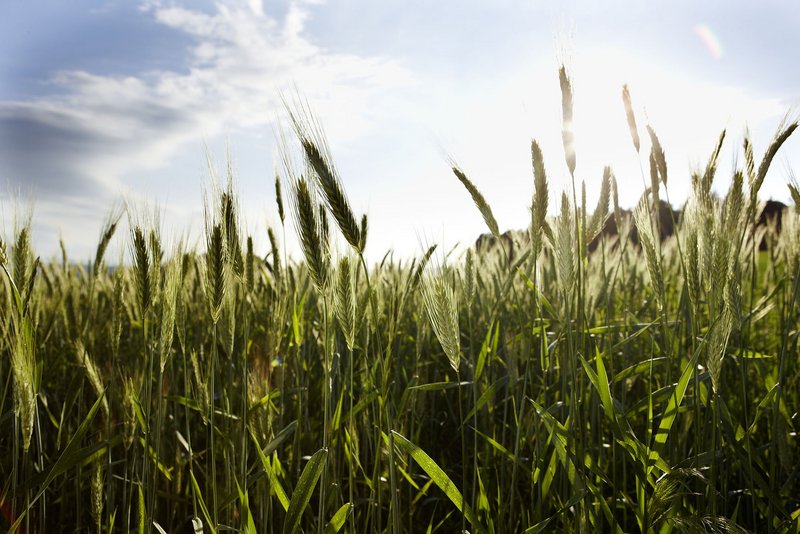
[709, 39]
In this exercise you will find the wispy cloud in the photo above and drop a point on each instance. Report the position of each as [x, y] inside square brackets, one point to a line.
[92, 130]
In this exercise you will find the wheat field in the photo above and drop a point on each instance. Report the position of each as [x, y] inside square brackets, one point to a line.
[566, 380]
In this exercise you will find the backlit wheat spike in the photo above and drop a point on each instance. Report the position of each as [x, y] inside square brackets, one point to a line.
[63, 249]
[615, 201]
[130, 402]
[318, 157]
[789, 241]
[324, 230]
[734, 204]
[721, 249]
[118, 309]
[279, 199]
[22, 258]
[733, 287]
[169, 304]
[469, 275]
[442, 308]
[92, 374]
[96, 494]
[600, 214]
[276, 254]
[711, 166]
[344, 302]
[626, 101]
[3, 253]
[141, 269]
[780, 138]
[794, 190]
[334, 195]
[749, 159]
[646, 237]
[480, 202]
[23, 367]
[716, 346]
[416, 278]
[540, 198]
[706, 240]
[363, 232]
[567, 134]
[28, 290]
[107, 232]
[249, 266]
[229, 217]
[692, 265]
[201, 385]
[308, 225]
[657, 152]
[564, 246]
[156, 258]
[583, 240]
[654, 183]
[215, 272]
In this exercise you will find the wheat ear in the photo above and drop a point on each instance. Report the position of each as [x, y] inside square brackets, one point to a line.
[442, 308]
[567, 134]
[540, 198]
[309, 226]
[626, 101]
[479, 200]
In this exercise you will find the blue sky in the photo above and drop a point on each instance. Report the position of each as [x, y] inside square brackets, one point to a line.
[101, 101]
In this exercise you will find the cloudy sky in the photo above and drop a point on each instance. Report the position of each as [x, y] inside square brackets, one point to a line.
[108, 100]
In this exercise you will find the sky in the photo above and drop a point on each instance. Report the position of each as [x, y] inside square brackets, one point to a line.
[105, 102]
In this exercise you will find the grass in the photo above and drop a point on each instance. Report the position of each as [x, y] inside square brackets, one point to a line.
[647, 386]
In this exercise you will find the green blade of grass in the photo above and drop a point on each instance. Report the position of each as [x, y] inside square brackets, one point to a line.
[274, 483]
[338, 520]
[302, 493]
[439, 386]
[71, 457]
[438, 476]
[671, 409]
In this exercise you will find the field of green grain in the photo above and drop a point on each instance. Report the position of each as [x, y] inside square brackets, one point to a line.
[646, 386]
